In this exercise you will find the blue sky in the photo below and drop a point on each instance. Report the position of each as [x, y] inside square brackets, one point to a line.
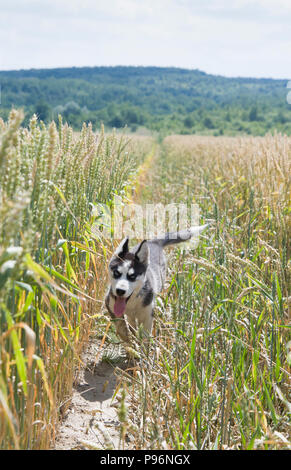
[227, 37]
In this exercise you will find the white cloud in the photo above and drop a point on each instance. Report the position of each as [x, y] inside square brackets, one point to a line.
[238, 37]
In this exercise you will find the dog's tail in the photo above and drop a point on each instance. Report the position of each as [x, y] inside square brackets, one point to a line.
[171, 238]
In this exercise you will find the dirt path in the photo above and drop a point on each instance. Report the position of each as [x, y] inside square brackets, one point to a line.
[91, 420]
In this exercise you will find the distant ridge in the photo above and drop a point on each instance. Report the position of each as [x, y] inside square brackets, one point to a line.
[160, 98]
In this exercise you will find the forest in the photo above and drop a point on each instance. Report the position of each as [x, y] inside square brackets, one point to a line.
[163, 100]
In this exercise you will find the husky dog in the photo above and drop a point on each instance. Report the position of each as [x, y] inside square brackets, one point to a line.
[137, 275]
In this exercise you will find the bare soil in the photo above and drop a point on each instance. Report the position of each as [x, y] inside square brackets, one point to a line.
[91, 421]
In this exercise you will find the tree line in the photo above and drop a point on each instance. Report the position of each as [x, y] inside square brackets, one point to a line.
[160, 99]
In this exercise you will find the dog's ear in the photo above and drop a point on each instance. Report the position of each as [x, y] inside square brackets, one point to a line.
[142, 253]
[122, 248]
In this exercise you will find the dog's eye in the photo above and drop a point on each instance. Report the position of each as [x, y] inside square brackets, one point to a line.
[116, 274]
[131, 277]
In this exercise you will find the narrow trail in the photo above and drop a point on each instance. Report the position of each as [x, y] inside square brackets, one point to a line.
[91, 420]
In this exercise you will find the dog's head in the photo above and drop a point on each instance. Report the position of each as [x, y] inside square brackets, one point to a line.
[127, 271]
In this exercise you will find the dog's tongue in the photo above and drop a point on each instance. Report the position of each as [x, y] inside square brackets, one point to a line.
[119, 306]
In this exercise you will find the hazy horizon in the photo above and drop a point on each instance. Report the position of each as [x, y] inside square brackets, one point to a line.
[145, 66]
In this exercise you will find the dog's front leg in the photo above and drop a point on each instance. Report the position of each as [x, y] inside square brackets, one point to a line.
[122, 330]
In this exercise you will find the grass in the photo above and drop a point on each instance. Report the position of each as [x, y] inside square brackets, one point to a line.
[52, 264]
[218, 372]
[218, 375]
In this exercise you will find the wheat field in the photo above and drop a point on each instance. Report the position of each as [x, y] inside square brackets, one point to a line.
[52, 264]
[217, 373]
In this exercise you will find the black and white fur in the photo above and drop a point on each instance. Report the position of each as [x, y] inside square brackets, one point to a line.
[137, 275]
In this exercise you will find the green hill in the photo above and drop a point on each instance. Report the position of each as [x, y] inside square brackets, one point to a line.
[161, 99]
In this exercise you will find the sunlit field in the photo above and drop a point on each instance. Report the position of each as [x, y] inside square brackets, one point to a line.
[217, 372]
[52, 265]
[218, 375]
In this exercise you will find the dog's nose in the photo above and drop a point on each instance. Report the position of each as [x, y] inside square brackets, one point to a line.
[120, 292]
